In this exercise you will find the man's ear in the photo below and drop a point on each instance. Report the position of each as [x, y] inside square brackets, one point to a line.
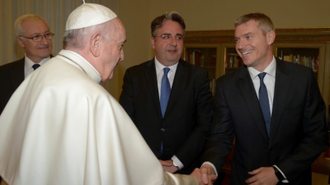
[152, 41]
[270, 37]
[20, 42]
[95, 45]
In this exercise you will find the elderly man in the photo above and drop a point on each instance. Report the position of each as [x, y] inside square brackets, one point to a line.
[62, 127]
[34, 36]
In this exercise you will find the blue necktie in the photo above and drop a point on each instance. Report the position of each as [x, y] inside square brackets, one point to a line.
[165, 91]
[35, 66]
[264, 102]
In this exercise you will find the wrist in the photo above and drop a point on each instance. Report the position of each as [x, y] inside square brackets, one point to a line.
[175, 165]
[278, 174]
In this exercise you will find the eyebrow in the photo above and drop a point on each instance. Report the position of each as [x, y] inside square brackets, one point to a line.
[171, 34]
[249, 33]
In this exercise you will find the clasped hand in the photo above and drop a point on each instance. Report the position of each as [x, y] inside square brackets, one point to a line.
[168, 166]
[205, 175]
[263, 175]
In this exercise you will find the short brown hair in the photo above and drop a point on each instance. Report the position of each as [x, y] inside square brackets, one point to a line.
[159, 21]
[264, 22]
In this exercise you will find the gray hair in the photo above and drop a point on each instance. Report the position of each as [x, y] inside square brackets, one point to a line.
[264, 22]
[79, 37]
[159, 22]
[18, 22]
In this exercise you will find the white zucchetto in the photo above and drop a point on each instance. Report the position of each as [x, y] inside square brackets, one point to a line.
[88, 14]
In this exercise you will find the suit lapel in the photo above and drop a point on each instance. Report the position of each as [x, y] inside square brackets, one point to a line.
[247, 90]
[151, 78]
[17, 73]
[179, 79]
[282, 87]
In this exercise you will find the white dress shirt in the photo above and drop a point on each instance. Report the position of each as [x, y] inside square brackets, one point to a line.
[170, 75]
[28, 63]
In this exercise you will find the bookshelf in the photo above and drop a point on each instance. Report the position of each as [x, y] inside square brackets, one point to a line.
[304, 46]
[205, 56]
[304, 56]
[232, 59]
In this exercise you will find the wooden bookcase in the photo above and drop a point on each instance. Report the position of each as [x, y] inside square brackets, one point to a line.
[205, 56]
[305, 46]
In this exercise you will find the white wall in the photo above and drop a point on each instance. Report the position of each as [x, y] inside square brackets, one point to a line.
[138, 14]
[135, 14]
[209, 15]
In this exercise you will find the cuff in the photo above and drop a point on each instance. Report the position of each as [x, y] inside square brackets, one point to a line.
[285, 180]
[209, 163]
[177, 162]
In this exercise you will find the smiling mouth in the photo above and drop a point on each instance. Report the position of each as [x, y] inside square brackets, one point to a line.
[246, 52]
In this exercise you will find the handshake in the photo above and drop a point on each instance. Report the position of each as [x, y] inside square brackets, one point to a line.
[205, 175]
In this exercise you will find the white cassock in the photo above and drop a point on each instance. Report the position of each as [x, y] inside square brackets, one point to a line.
[62, 128]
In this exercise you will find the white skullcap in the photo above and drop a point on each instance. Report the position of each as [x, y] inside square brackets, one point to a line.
[89, 14]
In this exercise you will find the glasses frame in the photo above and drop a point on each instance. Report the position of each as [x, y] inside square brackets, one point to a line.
[38, 38]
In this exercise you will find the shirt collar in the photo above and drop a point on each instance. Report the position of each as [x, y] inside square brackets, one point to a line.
[160, 66]
[270, 70]
[29, 63]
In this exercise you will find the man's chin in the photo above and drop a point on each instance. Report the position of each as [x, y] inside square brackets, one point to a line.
[44, 55]
[173, 60]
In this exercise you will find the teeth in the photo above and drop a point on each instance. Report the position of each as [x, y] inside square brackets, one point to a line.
[246, 52]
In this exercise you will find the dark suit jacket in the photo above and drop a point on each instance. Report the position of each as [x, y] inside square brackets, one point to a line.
[187, 120]
[298, 126]
[11, 76]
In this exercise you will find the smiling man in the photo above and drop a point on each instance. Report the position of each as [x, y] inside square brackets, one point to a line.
[274, 110]
[168, 99]
[34, 36]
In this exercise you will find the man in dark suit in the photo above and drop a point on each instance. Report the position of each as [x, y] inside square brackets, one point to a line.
[34, 36]
[175, 132]
[276, 140]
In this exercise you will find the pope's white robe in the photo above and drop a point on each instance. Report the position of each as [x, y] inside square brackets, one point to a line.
[62, 128]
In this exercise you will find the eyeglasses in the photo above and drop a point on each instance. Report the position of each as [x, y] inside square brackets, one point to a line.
[177, 37]
[38, 38]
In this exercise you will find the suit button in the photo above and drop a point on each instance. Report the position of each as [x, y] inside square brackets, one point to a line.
[162, 129]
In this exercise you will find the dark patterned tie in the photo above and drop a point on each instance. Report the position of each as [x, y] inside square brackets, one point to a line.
[35, 66]
[264, 102]
[165, 91]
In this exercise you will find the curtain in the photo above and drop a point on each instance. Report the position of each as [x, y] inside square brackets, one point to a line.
[55, 12]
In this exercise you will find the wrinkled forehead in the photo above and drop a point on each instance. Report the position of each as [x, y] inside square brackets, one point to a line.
[33, 26]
